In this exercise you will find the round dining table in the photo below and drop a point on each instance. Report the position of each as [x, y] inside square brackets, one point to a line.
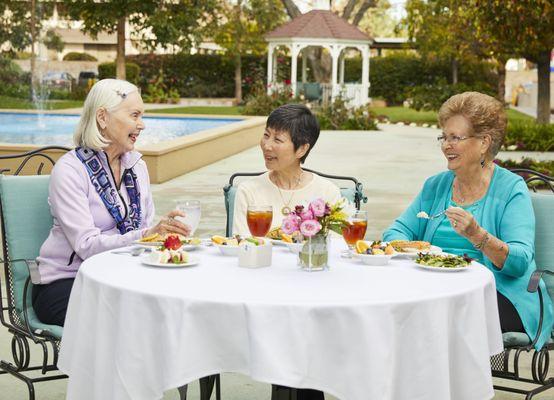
[356, 331]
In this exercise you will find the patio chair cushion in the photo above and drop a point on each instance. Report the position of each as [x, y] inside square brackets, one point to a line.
[516, 339]
[348, 193]
[27, 222]
[543, 205]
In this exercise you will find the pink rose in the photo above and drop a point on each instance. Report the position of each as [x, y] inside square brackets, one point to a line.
[310, 227]
[290, 224]
[306, 215]
[317, 207]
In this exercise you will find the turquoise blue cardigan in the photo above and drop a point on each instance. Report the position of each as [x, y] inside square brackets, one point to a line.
[506, 213]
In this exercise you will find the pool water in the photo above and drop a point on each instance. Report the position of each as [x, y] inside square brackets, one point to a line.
[57, 129]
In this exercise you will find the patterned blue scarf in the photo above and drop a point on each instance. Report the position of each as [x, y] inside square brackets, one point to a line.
[108, 193]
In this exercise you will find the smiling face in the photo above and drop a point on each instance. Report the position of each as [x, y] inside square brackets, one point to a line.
[123, 124]
[278, 150]
[466, 153]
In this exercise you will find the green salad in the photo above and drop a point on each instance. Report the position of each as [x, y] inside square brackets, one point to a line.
[443, 260]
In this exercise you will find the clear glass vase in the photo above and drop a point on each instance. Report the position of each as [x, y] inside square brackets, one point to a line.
[314, 254]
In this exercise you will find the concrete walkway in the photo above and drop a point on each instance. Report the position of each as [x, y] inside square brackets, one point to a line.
[392, 164]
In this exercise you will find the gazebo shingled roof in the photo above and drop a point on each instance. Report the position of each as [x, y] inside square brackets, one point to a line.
[318, 24]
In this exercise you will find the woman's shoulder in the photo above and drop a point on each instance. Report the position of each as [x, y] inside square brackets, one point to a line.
[255, 182]
[324, 183]
[506, 181]
[68, 162]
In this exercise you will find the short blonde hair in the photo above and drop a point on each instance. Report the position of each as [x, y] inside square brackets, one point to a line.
[106, 93]
[485, 114]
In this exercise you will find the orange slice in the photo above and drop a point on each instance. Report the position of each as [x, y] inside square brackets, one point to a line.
[286, 238]
[151, 238]
[219, 239]
[361, 247]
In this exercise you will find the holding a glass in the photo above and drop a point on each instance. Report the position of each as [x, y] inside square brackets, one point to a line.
[259, 220]
[193, 212]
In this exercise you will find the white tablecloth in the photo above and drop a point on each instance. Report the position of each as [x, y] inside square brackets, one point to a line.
[357, 332]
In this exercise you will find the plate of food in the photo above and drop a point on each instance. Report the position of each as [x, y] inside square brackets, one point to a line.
[276, 236]
[170, 259]
[230, 246]
[443, 262]
[411, 248]
[373, 253]
[170, 240]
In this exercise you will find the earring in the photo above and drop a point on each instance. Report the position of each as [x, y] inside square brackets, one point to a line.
[483, 162]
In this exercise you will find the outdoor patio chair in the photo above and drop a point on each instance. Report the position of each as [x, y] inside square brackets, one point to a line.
[504, 366]
[26, 221]
[313, 91]
[354, 194]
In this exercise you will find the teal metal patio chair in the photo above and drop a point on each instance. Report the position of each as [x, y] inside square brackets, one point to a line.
[354, 194]
[26, 222]
[504, 365]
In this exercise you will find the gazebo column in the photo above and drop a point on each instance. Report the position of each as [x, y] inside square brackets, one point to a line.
[304, 64]
[295, 50]
[365, 74]
[270, 59]
[335, 89]
[341, 75]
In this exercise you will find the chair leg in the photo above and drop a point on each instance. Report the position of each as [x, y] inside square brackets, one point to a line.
[207, 387]
[540, 389]
[183, 392]
[283, 393]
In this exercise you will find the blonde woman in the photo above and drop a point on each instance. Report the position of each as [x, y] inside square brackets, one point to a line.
[99, 195]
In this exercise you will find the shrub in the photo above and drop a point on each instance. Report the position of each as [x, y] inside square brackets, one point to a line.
[530, 136]
[76, 56]
[158, 92]
[545, 167]
[261, 103]
[107, 70]
[13, 81]
[337, 116]
[429, 97]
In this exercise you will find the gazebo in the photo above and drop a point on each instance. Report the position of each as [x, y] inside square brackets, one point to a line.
[322, 28]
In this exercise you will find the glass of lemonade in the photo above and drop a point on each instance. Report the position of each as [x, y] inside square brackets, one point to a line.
[259, 219]
[193, 212]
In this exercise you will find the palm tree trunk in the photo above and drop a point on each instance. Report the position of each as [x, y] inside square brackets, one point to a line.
[238, 78]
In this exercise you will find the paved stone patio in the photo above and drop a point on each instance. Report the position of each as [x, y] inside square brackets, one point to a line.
[392, 164]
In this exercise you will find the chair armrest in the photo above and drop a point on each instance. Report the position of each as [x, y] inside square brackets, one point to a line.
[535, 279]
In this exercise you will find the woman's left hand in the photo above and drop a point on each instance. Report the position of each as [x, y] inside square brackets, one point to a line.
[462, 221]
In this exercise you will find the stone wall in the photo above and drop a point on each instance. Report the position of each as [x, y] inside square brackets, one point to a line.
[73, 67]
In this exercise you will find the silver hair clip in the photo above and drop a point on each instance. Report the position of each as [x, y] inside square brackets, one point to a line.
[121, 94]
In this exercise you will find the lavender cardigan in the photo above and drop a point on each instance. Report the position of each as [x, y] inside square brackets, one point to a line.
[83, 226]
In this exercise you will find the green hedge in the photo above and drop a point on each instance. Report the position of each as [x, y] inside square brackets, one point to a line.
[13, 81]
[200, 75]
[530, 136]
[545, 167]
[107, 70]
[76, 56]
[394, 77]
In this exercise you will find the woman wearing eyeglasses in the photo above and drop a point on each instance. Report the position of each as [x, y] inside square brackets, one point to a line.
[489, 215]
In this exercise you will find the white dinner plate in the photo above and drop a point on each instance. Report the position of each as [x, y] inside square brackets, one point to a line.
[442, 269]
[192, 261]
[413, 254]
[148, 244]
[277, 242]
[373, 259]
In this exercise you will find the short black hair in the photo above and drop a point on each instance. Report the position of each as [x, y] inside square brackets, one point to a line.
[299, 122]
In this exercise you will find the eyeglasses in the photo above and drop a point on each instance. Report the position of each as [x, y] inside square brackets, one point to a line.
[442, 139]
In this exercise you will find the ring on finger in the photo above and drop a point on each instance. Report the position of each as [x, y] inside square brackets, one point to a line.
[455, 224]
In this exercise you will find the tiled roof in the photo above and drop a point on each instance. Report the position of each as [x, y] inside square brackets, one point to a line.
[318, 24]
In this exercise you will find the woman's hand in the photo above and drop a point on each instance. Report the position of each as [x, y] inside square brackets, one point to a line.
[463, 222]
[168, 224]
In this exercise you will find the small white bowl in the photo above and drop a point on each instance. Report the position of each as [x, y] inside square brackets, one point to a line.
[378, 259]
[295, 247]
[227, 250]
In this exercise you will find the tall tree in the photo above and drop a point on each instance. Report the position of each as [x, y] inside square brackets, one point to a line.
[159, 22]
[241, 27]
[525, 27]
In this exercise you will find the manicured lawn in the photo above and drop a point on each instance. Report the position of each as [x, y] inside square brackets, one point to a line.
[403, 114]
[23, 104]
[215, 110]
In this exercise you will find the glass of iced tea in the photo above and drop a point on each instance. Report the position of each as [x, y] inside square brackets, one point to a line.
[357, 226]
[259, 219]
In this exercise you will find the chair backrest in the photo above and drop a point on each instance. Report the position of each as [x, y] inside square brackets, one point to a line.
[543, 205]
[26, 222]
[354, 194]
[312, 91]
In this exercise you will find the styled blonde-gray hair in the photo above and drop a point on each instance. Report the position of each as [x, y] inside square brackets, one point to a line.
[106, 93]
[485, 114]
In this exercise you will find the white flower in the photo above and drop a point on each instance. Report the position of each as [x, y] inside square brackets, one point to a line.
[422, 214]
[512, 147]
[347, 207]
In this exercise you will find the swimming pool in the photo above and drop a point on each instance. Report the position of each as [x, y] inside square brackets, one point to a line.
[57, 129]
